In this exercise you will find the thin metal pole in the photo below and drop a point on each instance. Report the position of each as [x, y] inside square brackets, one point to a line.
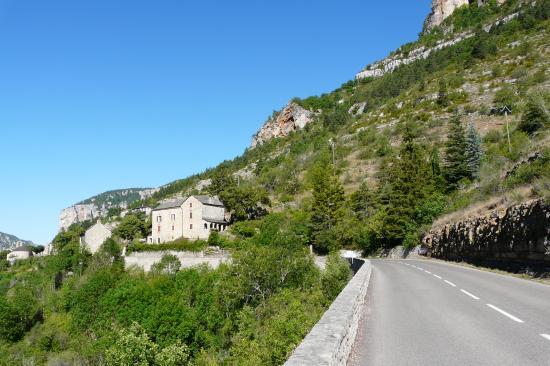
[508, 131]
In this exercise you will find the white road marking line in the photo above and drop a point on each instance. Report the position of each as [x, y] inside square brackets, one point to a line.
[420, 268]
[450, 283]
[545, 336]
[469, 294]
[505, 313]
[428, 272]
[437, 276]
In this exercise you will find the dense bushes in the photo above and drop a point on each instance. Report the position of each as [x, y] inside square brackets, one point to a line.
[254, 310]
[177, 245]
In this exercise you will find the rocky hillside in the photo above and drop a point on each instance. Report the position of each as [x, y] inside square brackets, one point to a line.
[442, 9]
[292, 118]
[475, 64]
[512, 232]
[99, 206]
[8, 241]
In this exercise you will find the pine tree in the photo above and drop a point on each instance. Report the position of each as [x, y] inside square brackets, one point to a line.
[411, 183]
[363, 201]
[474, 153]
[455, 154]
[536, 115]
[437, 174]
[442, 97]
[327, 204]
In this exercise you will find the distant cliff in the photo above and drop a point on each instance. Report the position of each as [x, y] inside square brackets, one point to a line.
[8, 241]
[518, 232]
[98, 206]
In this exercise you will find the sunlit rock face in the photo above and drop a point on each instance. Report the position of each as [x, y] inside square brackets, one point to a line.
[442, 9]
[292, 118]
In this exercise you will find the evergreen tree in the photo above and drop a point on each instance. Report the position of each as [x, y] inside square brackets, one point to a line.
[411, 183]
[474, 153]
[442, 97]
[363, 202]
[455, 154]
[437, 174]
[327, 204]
[536, 115]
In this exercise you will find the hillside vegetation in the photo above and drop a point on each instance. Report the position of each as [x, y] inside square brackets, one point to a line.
[467, 125]
[437, 136]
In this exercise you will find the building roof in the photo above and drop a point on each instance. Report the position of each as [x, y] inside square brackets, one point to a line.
[211, 201]
[23, 248]
[170, 204]
[215, 221]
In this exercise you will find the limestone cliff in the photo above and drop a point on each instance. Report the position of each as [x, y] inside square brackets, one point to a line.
[442, 9]
[389, 64]
[518, 232]
[292, 118]
[99, 205]
[8, 241]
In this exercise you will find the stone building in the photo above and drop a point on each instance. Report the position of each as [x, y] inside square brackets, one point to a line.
[191, 218]
[95, 236]
[22, 252]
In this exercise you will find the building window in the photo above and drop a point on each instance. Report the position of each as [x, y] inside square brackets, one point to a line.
[190, 215]
[191, 226]
[159, 218]
[206, 226]
[158, 228]
[190, 204]
[173, 217]
[158, 240]
[172, 227]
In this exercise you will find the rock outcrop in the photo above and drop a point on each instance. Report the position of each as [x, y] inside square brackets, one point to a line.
[8, 241]
[520, 232]
[98, 206]
[293, 117]
[441, 10]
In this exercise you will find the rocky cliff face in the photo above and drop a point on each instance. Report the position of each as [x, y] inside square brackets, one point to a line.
[389, 64]
[519, 232]
[99, 205]
[8, 241]
[292, 118]
[442, 9]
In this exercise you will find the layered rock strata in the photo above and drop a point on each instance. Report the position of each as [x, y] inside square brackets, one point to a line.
[520, 232]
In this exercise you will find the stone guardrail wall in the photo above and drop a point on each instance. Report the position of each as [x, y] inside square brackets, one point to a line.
[331, 339]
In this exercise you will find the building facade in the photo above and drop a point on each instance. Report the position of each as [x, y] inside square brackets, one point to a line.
[95, 236]
[22, 252]
[191, 218]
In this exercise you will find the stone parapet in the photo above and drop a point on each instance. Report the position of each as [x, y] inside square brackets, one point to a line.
[331, 339]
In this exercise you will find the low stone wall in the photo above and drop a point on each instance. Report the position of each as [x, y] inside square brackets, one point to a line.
[331, 339]
[520, 233]
[188, 259]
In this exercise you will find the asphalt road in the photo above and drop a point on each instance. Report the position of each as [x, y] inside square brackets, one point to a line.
[422, 312]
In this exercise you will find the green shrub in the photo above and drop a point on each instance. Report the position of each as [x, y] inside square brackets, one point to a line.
[176, 245]
[336, 275]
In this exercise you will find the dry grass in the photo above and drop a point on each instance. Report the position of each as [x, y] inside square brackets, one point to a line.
[496, 204]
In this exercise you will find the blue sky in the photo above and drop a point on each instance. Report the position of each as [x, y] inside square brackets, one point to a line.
[106, 94]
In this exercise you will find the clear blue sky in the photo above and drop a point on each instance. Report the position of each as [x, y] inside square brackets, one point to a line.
[104, 94]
